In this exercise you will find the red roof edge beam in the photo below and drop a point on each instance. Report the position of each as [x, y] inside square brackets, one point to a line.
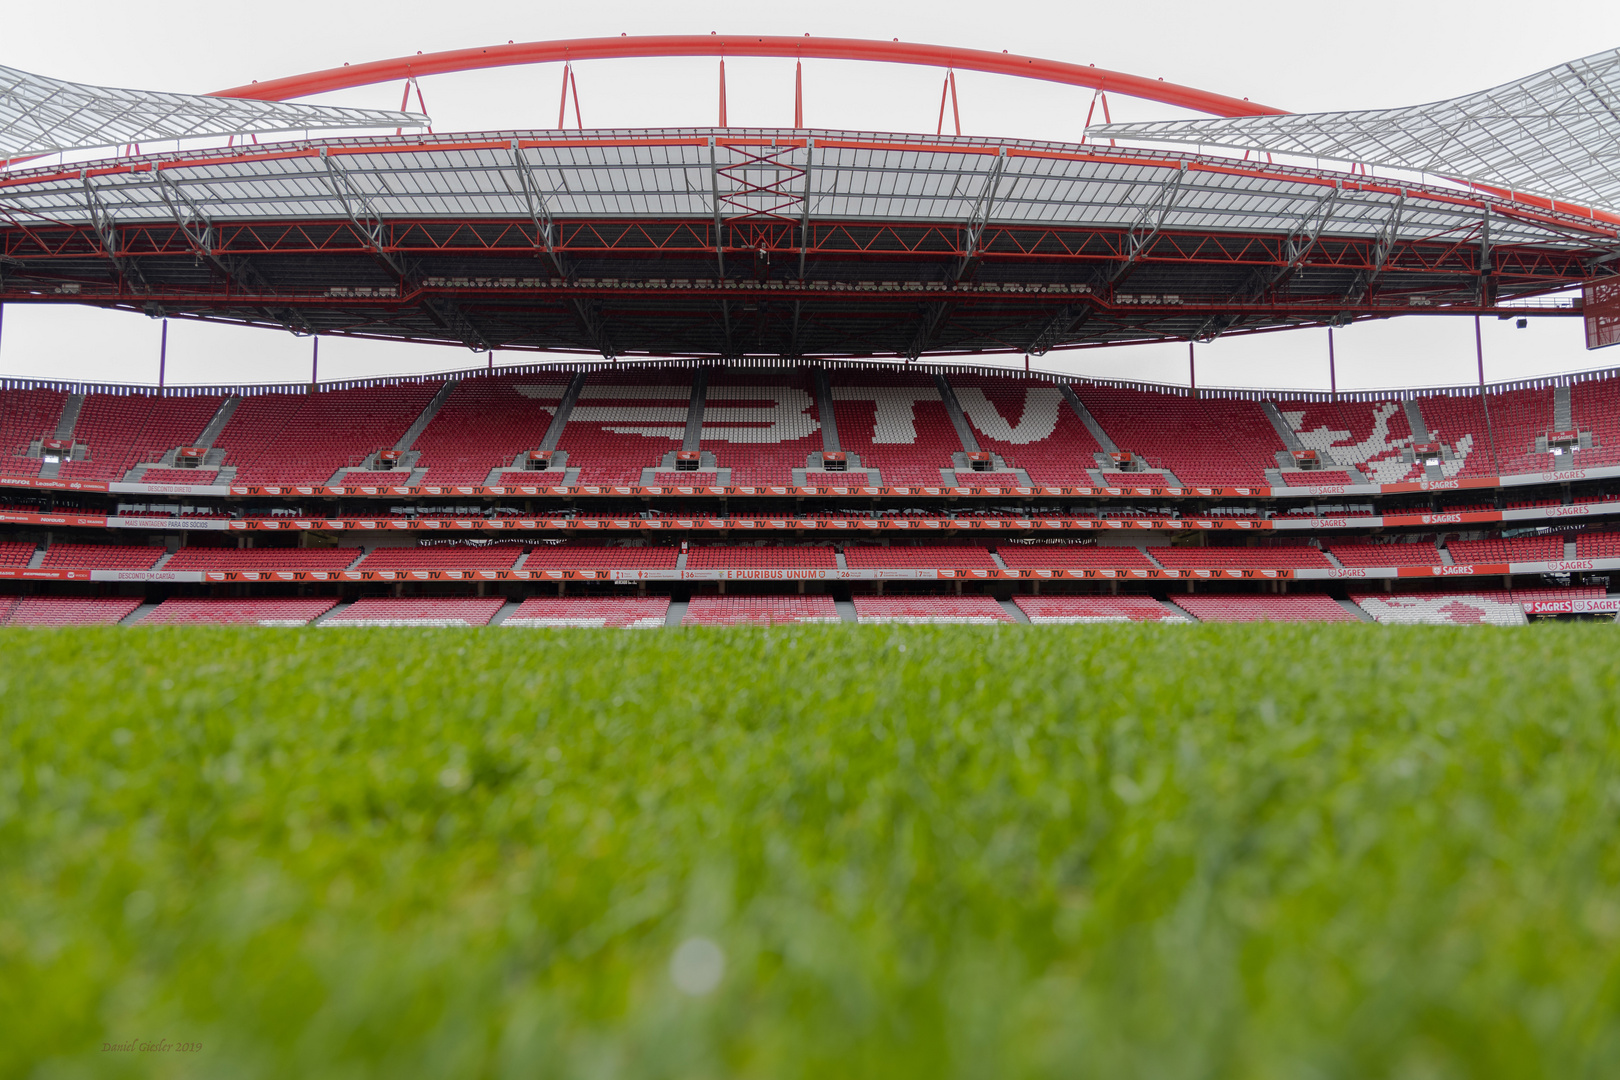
[798, 48]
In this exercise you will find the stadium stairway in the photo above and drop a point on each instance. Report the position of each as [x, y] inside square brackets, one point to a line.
[846, 608]
[1177, 614]
[138, 614]
[1017, 613]
[1357, 610]
[677, 610]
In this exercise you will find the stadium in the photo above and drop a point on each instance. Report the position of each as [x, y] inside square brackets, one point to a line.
[756, 377]
[782, 422]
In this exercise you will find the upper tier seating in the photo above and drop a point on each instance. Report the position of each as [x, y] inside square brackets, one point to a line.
[1318, 478]
[965, 478]
[70, 610]
[1598, 545]
[1494, 608]
[1420, 554]
[26, 415]
[1134, 479]
[124, 430]
[256, 611]
[761, 424]
[289, 558]
[1264, 608]
[1459, 422]
[376, 477]
[306, 438]
[101, 557]
[1370, 435]
[748, 610]
[457, 557]
[642, 613]
[1205, 442]
[1092, 609]
[923, 557]
[1594, 405]
[930, 609]
[1520, 549]
[421, 611]
[897, 423]
[1030, 424]
[592, 557]
[1072, 557]
[1258, 558]
[486, 423]
[625, 421]
[687, 479]
[1517, 417]
[15, 553]
[773, 557]
[180, 476]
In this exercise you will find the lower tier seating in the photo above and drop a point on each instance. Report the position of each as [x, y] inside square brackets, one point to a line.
[930, 609]
[1236, 558]
[299, 611]
[1493, 608]
[748, 610]
[1226, 609]
[67, 610]
[1094, 609]
[1519, 549]
[403, 611]
[488, 557]
[1422, 554]
[201, 558]
[634, 612]
[925, 557]
[1072, 557]
[101, 557]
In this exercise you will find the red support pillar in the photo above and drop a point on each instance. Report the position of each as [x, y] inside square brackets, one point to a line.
[1333, 372]
[1192, 370]
[723, 92]
[163, 353]
[798, 94]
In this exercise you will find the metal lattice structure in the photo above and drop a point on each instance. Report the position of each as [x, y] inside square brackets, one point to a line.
[1554, 133]
[40, 115]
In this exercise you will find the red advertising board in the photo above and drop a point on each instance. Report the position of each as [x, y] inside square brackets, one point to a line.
[1601, 304]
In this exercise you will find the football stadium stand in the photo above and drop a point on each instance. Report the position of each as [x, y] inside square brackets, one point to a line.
[487, 557]
[633, 612]
[1597, 545]
[1030, 424]
[1517, 417]
[1495, 608]
[212, 558]
[760, 424]
[897, 423]
[123, 430]
[930, 609]
[1459, 424]
[16, 553]
[307, 438]
[965, 478]
[1318, 478]
[486, 424]
[1201, 441]
[101, 557]
[921, 556]
[67, 610]
[1093, 609]
[691, 479]
[1358, 555]
[772, 557]
[592, 557]
[1520, 549]
[1372, 436]
[404, 611]
[180, 476]
[1595, 407]
[1224, 609]
[261, 611]
[735, 610]
[1072, 557]
[1244, 558]
[627, 421]
[26, 415]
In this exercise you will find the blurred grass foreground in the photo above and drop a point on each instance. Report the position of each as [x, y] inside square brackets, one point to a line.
[1102, 851]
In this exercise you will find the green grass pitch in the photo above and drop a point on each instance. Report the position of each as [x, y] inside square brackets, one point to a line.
[1109, 851]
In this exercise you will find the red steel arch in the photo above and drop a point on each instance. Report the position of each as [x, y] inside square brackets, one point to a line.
[806, 47]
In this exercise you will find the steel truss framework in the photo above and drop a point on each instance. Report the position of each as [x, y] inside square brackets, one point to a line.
[729, 243]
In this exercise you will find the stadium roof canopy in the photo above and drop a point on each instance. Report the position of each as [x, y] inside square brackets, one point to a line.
[731, 242]
[1555, 133]
[41, 115]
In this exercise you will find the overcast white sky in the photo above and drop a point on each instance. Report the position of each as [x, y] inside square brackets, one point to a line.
[1297, 56]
